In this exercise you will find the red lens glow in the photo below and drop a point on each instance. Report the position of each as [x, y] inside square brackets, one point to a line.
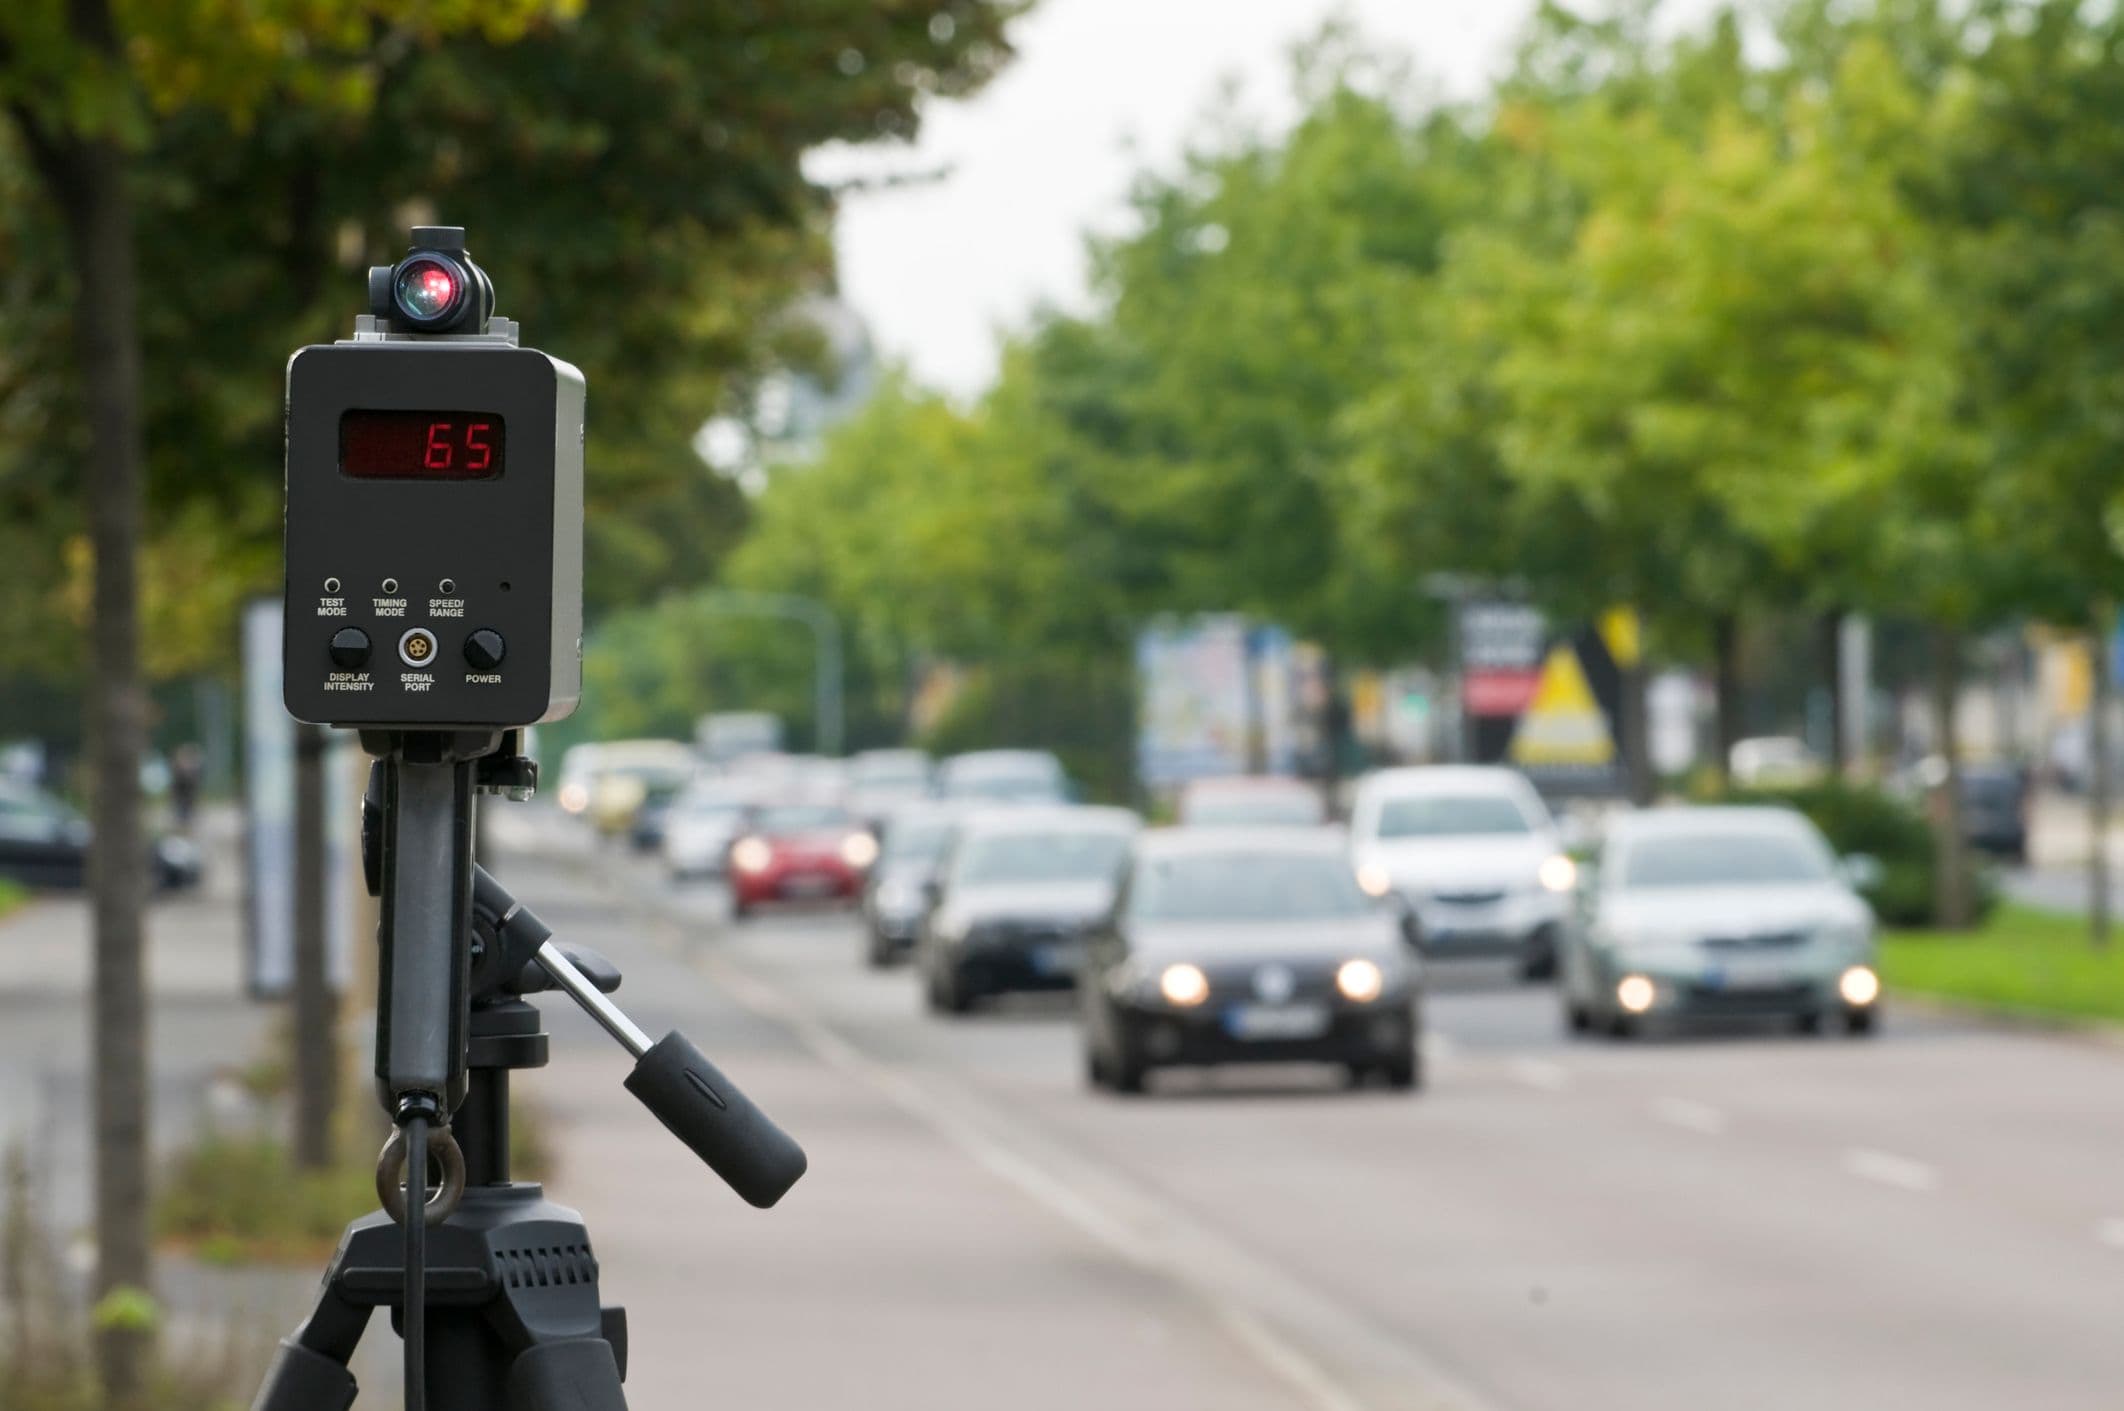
[427, 290]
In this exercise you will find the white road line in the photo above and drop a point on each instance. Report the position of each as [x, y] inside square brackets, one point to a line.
[1890, 1170]
[2110, 1232]
[1542, 1074]
[1109, 1227]
[1690, 1116]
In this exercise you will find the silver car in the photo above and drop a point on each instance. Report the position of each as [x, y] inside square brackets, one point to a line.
[1740, 913]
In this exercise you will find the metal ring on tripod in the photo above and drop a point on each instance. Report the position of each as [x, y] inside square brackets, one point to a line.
[391, 1186]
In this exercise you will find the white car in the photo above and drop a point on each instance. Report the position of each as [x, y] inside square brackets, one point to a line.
[1719, 912]
[701, 824]
[1474, 856]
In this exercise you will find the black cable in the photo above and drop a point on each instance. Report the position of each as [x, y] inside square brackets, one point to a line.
[416, 1311]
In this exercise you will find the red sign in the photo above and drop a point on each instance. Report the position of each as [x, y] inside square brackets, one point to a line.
[1499, 692]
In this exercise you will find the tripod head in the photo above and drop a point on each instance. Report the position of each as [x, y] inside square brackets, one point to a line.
[511, 953]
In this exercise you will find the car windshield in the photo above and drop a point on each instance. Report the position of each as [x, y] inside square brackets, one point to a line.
[1060, 855]
[1247, 886]
[1252, 808]
[696, 806]
[801, 819]
[1730, 857]
[1450, 815]
[1005, 786]
[917, 842]
[908, 772]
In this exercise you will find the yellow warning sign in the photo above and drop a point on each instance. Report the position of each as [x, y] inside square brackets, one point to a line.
[1563, 725]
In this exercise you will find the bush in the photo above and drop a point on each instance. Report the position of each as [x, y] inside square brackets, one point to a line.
[240, 1199]
[1857, 819]
[12, 895]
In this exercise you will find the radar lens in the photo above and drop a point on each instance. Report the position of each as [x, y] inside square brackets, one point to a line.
[427, 291]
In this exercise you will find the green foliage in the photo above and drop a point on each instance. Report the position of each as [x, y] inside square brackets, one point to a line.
[12, 895]
[1858, 820]
[2022, 962]
[629, 171]
[239, 1199]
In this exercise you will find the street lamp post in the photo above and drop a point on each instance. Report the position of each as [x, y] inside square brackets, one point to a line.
[826, 648]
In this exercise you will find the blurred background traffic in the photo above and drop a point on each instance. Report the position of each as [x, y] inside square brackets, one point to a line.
[1354, 705]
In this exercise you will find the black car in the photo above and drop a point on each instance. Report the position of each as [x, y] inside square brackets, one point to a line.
[1249, 945]
[1995, 809]
[912, 845]
[44, 843]
[1018, 892]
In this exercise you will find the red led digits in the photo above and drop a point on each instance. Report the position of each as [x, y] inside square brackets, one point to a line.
[420, 445]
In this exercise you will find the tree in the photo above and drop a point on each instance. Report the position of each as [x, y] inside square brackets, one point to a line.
[648, 151]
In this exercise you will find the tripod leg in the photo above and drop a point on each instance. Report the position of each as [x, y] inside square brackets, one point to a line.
[574, 1374]
[309, 1372]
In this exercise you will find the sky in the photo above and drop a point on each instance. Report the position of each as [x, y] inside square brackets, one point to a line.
[1099, 90]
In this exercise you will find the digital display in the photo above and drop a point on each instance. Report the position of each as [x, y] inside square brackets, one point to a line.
[420, 445]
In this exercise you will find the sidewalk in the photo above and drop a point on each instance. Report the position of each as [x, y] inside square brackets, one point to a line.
[202, 1026]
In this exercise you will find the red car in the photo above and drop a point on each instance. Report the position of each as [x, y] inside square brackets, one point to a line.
[799, 852]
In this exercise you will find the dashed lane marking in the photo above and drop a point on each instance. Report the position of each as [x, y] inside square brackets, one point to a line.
[1890, 1170]
[1690, 1116]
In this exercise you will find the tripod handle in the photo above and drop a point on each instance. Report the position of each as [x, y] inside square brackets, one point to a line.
[707, 1112]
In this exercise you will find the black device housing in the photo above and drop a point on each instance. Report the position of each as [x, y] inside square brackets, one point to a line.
[447, 557]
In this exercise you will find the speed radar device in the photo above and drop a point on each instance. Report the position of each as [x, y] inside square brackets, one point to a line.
[434, 512]
[434, 603]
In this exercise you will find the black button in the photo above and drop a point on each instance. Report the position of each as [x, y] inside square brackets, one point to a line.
[484, 649]
[350, 648]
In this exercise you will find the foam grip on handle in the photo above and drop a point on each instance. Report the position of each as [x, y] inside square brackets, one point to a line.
[706, 1111]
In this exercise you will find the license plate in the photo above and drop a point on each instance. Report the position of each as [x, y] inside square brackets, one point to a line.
[809, 886]
[1748, 975]
[1060, 958]
[1276, 1021]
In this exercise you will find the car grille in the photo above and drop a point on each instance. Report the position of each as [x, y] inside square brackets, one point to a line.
[1233, 982]
[1484, 898]
[1779, 1000]
[1767, 940]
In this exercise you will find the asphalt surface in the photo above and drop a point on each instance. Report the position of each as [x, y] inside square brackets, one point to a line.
[1929, 1218]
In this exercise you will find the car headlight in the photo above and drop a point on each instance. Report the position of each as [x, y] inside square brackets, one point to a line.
[1859, 986]
[1183, 985]
[1558, 873]
[1635, 993]
[1374, 880]
[859, 850]
[1360, 981]
[574, 798]
[751, 855]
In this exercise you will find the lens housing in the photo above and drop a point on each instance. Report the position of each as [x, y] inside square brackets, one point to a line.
[437, 288]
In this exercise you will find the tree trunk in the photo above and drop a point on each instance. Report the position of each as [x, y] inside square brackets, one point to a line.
[316, 1055]
[1725, 645]
[1951, 900]
[1633, 689]
[1334, 733]
[1829, 643]
[2098, 778]
[87, 180]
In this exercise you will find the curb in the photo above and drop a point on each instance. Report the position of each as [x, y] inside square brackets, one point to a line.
[2031, 1023]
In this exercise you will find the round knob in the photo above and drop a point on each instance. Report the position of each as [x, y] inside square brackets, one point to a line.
[350, 648]
[484, 649]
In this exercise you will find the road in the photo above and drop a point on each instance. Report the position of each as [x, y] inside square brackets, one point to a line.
[1928, 1219]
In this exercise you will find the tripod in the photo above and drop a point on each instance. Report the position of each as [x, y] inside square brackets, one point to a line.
[501, 1282]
